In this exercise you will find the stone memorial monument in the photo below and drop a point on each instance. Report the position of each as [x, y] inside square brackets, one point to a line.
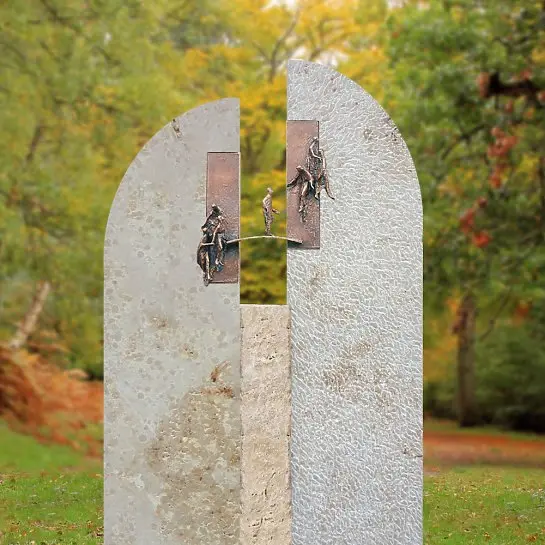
[288, 425]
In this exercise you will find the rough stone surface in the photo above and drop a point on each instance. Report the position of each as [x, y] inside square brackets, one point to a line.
[357, 328]
[171, 348]
[266, 416]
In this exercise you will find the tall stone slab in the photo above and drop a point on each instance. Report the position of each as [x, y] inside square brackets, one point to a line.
[171, 348]
[356, 306]
[266, 425]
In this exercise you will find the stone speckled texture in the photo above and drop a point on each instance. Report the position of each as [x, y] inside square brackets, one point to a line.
[357, 328]
[266, 419]
[171, 349]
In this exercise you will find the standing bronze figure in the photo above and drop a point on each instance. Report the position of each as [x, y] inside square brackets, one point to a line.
[268, 211]
[215, 241]
[211, 250]
[313, 178]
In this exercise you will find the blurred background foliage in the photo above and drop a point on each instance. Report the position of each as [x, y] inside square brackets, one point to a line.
[85, 83]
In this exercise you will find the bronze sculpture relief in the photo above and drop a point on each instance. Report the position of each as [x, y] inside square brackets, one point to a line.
[268, 211]
[312, 178]
[215, 241]
[211, 250]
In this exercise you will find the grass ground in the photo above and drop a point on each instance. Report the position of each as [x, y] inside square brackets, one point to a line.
[474, 505]
[451, 427]
[51, 495]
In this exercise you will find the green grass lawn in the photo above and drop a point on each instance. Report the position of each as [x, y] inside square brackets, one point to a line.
[51, 509]
[48, 494]
[51, 495]
[485, 505]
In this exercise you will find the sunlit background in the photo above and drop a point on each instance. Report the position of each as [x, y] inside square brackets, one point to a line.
[85, 83]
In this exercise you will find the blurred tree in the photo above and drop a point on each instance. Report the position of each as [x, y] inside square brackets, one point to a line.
[511, 374]
[78, 97]
[473, 75]
[85, 85]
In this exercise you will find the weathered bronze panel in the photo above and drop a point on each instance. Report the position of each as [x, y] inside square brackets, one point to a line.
[223, 190]
[302, 226]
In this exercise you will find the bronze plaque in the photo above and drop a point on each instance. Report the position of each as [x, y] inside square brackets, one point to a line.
[223, 190]
[304, 225]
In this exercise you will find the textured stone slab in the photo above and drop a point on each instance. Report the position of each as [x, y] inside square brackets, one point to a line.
[266, 420]
[357, 328]
[172, 349]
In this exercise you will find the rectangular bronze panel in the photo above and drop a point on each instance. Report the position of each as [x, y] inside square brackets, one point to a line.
[299, 135]
[223, 189]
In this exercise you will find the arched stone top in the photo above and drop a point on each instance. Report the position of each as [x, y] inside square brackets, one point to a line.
[166, 421]
[356, 309]
[211, 126]
[363, 131]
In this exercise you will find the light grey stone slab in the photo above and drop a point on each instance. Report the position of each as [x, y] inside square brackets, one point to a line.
[266, 419]
[357, 328]
[171, 349]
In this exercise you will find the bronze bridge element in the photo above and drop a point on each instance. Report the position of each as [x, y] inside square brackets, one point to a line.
[218, 252]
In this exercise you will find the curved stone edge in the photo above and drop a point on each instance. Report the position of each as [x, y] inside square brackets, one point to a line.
[171, 347]
[356, 308]
[298, 64]
[174, 128]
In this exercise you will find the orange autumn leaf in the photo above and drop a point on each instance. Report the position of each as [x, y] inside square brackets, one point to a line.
[481, 239]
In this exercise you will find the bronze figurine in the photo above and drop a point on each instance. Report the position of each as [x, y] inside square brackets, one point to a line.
[268, 211]
[313, 178]
[211, 250]
[318, 168]
[304, 178]
[215, 241]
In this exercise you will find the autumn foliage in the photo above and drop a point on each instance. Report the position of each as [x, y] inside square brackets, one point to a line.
[83, 86]
[39, 398]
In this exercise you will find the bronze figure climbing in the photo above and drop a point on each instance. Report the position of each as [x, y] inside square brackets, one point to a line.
[312, 179]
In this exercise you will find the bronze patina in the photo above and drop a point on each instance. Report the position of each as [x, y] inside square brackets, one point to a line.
[216, 243]
[211, 250]
[307, 176]
[223, 192]
[268, 211]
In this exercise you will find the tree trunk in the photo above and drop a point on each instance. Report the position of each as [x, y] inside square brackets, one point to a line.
[28, 324]
[466, 404]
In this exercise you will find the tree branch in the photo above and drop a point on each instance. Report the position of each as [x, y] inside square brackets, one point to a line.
[37, 136]
[29, 322]
[494, 87]
[69, 23]
[494, 319]
[280, 42]
[467, 136]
